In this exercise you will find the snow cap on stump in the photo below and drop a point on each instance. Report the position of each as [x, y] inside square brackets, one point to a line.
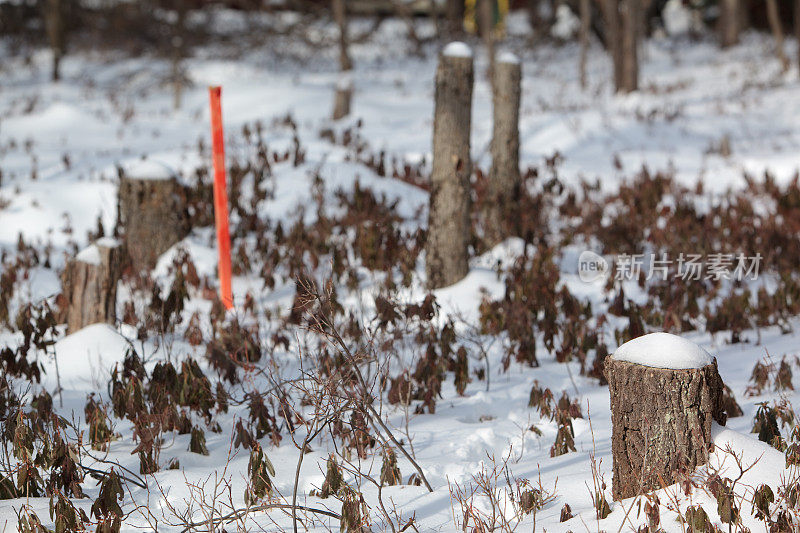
[663, 350]
[666, 393]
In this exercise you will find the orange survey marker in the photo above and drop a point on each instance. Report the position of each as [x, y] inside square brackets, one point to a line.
[221, 199]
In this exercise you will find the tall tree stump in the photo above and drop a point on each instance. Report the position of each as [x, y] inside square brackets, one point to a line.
[504, 177]
[447, 244]
[661, 417]
[89, 284]
[152, 215]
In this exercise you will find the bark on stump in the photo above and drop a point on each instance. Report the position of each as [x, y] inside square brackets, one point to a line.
[504, 176]
[342, 97]
[152, 216]
[661, 421]
[89, 285]
[447, 243]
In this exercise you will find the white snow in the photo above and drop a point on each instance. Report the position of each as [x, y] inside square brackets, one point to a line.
[85, 359]
[147, 169]
[89, 255]
[457, 49]
[107, 242]
[663, 350]
[566, 23]
[508, 57]
[677, 18]
[345, 81]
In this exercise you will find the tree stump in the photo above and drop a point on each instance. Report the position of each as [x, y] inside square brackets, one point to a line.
[89, 284]
[342, 97]
[661, 417]
[446, 247]
[504, 177]
[152, 215]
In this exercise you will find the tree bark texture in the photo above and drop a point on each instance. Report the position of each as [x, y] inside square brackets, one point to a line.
[797, 29]
[586, 22]
[613, 38]
[342, 98]
[89, 285]
[340, 16]
[485, 18]
[504, 176]
[449, 212]
[729, 19]
[152, 216]
[454, 12]
[630, 22]
[661, 421]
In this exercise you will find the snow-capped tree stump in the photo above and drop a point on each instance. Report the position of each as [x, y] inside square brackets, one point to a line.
[152, 214]
[665, 394]
[449, 212]
[89, 284]
[504, 177]
[342, 97]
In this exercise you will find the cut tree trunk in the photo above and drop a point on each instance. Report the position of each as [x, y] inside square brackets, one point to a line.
[89, 285]
[504, 177]
[342, 97]
[729, 22]
[661, 421]
[447, 243]
[152, 216]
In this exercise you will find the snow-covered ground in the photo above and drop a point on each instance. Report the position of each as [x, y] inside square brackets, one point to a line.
[61, 145]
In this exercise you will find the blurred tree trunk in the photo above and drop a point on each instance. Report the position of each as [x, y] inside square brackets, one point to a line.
[340, 16]
[729, 22]
[434, 8]
[403, 12]
[777, 31]
[455, 18]
[630, 17]
[486, 29]
[797, 29]
[501, 210]
[56, 33]
[178, 53]
[613, 39]
[586, 20]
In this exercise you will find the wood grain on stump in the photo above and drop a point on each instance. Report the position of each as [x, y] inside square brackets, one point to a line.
[89, 285]
[152, 217]
[446, 247]
[661, 421]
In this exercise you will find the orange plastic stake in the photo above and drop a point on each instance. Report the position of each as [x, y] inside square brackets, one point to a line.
[221, 199]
